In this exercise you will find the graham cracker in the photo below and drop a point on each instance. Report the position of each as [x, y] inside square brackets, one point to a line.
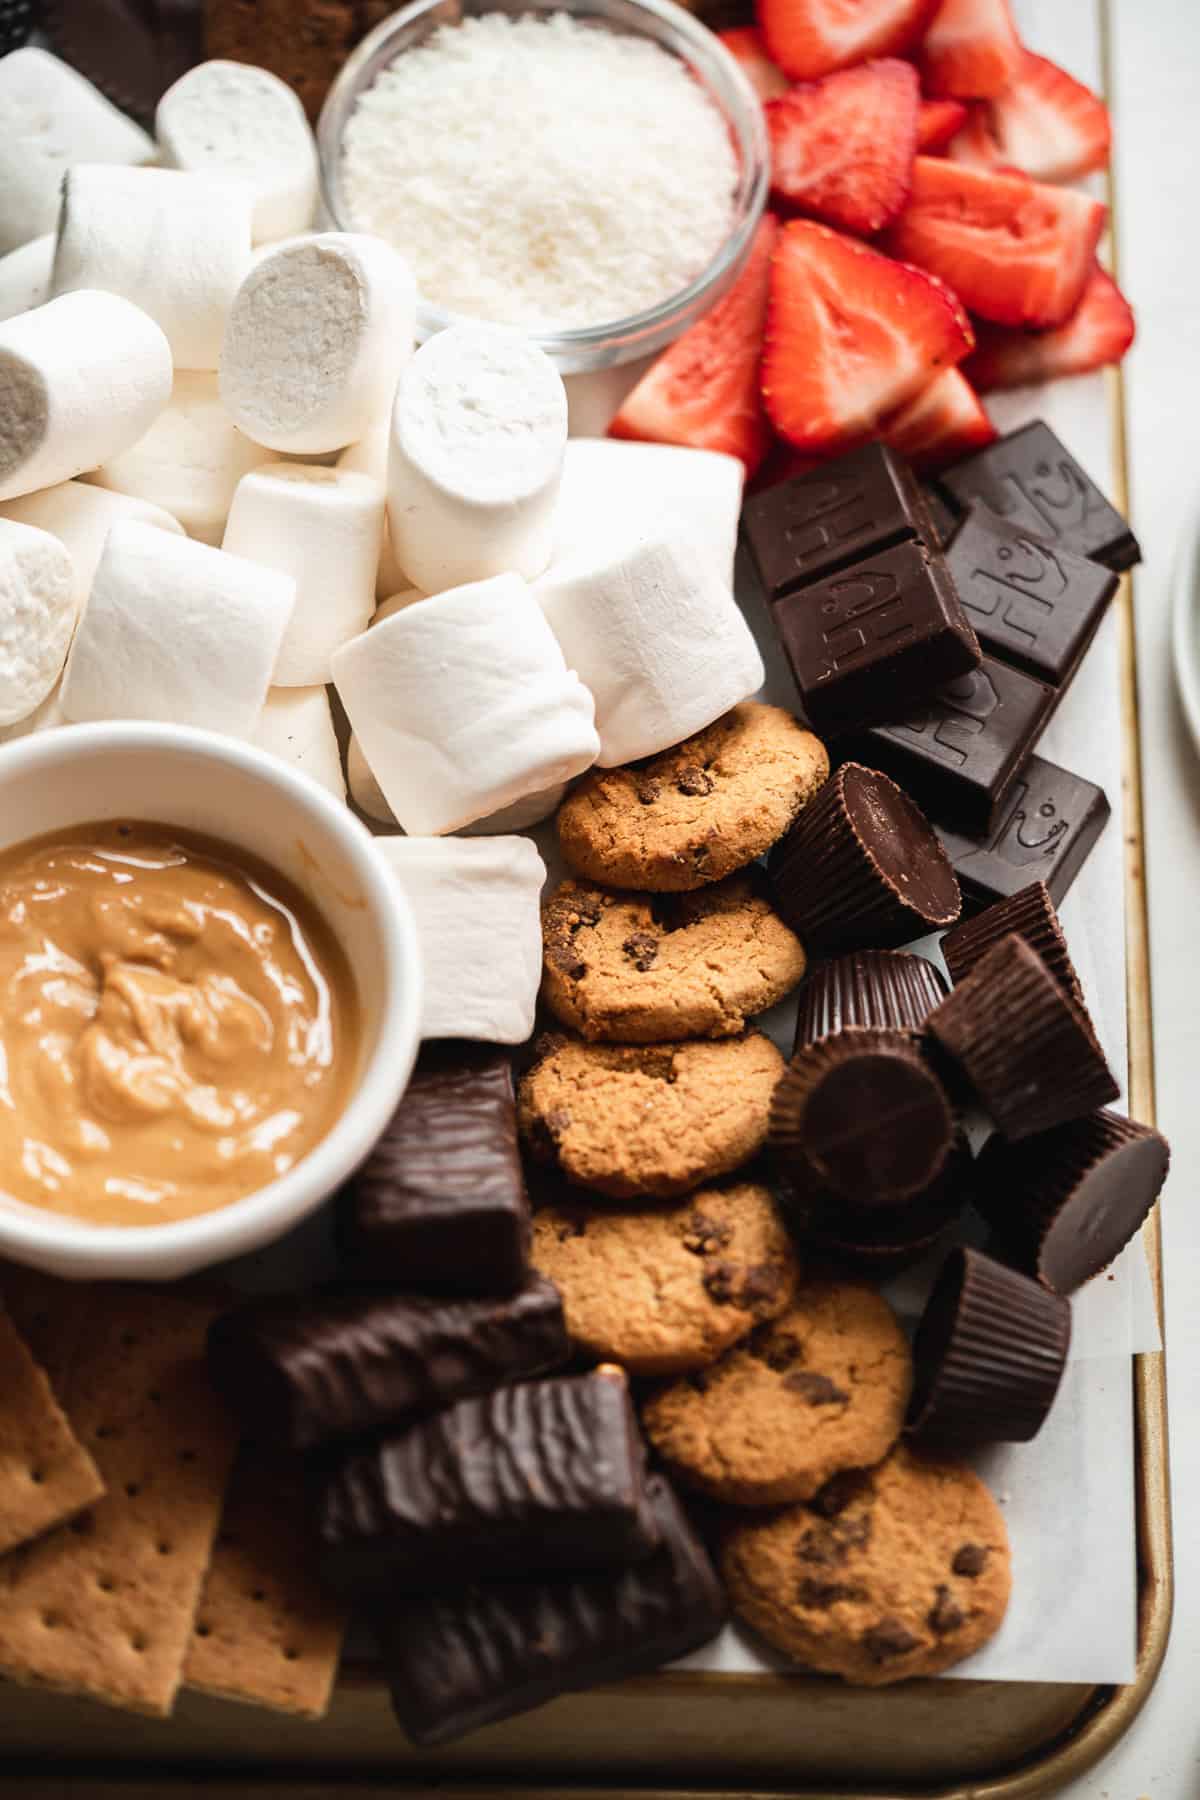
[46, 1475]
[267, 1631]
[103, 1607]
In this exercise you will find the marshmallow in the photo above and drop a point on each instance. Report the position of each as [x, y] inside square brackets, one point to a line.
[227, 118]
[176, 245]
[655, 485]
[176, 631]
[323, 528]
[190, 461]
[80, 517]
[46, 717]
[655, 633]
[464, 704]
[478, 433]
[81, 379]
[370, 457]
[37, 616]
[476, 903]
[50, 118]
[369, 798]
[25, 276]
[296, 724]
[316, 340]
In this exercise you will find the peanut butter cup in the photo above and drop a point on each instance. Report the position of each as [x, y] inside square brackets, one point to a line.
[1030, 913]
[889, 989]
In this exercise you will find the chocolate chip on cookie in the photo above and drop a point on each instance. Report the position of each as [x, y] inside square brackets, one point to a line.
[697, 813]
[641, 968]
[908, 1577]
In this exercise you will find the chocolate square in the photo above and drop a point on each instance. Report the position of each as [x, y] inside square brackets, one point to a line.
[959, 752]
[869, 641]
[1047, 830]
[1031, 479]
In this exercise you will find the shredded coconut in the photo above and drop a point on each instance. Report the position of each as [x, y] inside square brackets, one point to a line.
[541, 172]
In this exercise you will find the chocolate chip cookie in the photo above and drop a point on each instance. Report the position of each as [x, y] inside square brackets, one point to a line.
[897, 1571]
[650, 1119]
[667, 1288]
[699, 812]
[821, 1389]
[641, 968]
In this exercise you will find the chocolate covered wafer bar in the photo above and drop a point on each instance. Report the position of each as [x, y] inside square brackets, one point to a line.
[301, 1372]
[891, 989]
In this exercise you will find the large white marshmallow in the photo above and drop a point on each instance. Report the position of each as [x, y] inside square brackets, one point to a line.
[50, 118]
[176, 245]
[369, 798]
[230, 119]
[323, 528]
[650, 487]
[191, 459]
[81, 516]
[37, 616]
[370, 457]
[464, 704]
[478, 433]
[81, 379]
[176, 631]
[46, 717]
[319, 332]
[296, 724]
[25, 276]
[476, 902]
[654, 632]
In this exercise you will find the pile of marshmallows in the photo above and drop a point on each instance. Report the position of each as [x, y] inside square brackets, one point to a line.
[279, 494]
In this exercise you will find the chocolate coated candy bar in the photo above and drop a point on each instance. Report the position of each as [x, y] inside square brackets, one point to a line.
[440, 1203]
[960, 752]
[1046, 832]
[467, 1657]
[1034, 604]
[1032, 480]
[300, 1372]
[528, 1480]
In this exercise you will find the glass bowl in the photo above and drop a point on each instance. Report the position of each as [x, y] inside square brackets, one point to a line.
[640, 334]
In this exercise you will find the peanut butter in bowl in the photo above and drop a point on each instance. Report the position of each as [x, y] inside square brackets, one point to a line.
[178, 1025]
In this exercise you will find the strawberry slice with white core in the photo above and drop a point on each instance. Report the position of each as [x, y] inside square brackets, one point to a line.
[937, 123]
[1016, 251]
[1045, 122]
[842, 148]
[745, 44]
[1099, 331]
[808, 38]
[704, 389]
[944, 421]
[851, 335]
[971, 50]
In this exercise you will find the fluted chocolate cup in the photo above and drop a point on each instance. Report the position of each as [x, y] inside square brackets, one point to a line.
[1031, 914]
[862, 866]
[988, 1356]
[881, 1240]
[1065, 1203]
[1027, 1051]
[889, 989]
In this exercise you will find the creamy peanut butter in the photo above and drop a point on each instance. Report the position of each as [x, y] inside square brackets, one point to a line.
[178, 1026]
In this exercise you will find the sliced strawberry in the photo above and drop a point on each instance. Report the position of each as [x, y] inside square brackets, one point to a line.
[1099, 331]
[842, 148]
[745, 44]
[850, 336]
[971, 50]
[1045, 122]
[937, 122]
[944, 421]
[704, 390]
[1014, 250]
[808, 38]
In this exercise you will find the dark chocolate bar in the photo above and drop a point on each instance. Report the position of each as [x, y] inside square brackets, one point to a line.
[1046, 832]
[870, 640]
[318, 1368]
[440, 1203]
[960, 752]
[1034, 604]
[886, 988]
[803, 529]
[530, 1480]
[941, 516]
[466, 1657]
[1031, 479]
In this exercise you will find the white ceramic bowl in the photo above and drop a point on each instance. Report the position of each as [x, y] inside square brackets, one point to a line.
[198, 781]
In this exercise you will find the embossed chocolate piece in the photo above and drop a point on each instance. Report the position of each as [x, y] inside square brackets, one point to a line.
[1046, 832]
